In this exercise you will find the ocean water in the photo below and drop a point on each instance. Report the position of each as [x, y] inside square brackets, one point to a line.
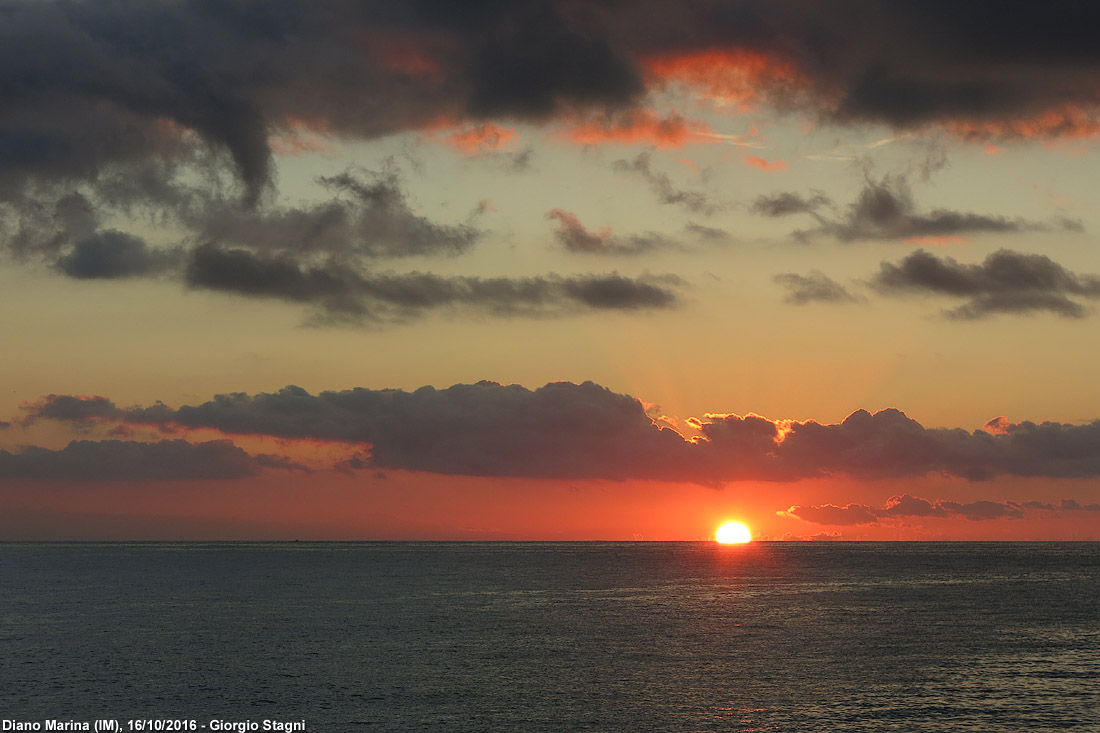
[557, 636]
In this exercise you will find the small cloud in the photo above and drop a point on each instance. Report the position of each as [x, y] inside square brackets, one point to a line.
[816, 287]
[755, 161]
[575, 237]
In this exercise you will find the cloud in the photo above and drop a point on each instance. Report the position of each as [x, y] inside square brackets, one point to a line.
[566, 430]
[368, 216]
[112, 254]
[70, 408]
[817, 287]
[834, 515]
[117, 460]
[640, 127]
[574, 237]
[885, 210]
[1005, 282]
[786, 203]
[342, 293]
[694, 201]
[488, 429]
[96, 85]
[907, 506]
[755, 161]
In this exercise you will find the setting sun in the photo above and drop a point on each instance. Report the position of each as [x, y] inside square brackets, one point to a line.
[733, 533]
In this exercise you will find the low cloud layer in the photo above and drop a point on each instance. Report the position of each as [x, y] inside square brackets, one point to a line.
[1005, 282]
[566, 430]
[118, 460]
[907, 506]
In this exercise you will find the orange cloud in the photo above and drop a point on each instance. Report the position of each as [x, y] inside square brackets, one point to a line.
[1066, 123]
[470, 139]
[991, 149]
[480, 139]
[641, 127]
[754, 161]
[729, 77]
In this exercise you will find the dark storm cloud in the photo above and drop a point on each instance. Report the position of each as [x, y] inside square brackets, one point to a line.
[568, 430]
[99, 83]
[786, 203]
[659, 182]
[117, 460]
[885, 209]
[816, 287]
[339, 291]
[1005, 282]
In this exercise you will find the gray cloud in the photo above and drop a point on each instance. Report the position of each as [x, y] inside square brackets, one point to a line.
[118, 460]
[885, 209]
[816, 287]
[586, 431]
[112, 254]
[94, 84]
[786, 203]
[907, 506]
[835, 515]
[1005, 282]
[341, 292]
[694, 201]
[574, 237]
[369, 216]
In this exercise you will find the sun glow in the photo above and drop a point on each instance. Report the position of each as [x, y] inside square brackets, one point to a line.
[732, 533]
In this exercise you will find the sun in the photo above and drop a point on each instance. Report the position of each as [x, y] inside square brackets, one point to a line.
[733, 533]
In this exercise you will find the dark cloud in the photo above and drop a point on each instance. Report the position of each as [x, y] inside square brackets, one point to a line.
[1005, 282]
[339, 291]
[885, 209]
[90, 85]
[368, 216]
[112, 254]
[817, 287]
[71, 408]
[786, 203]
[118, 460]
[835, 515]
[586, 431]
[694, 201]
[574, 237]
[561, 430]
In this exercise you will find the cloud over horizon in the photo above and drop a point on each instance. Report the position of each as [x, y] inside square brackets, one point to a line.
[566, 430]
[907, 506]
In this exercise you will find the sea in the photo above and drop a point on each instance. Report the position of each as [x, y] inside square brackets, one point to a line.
[528, 636]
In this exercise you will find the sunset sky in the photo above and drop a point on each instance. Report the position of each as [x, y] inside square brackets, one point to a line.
[549, 270]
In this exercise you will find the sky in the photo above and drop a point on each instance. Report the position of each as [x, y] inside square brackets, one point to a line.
[542, 270]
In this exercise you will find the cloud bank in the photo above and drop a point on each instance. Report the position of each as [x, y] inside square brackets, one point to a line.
[565, 430]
